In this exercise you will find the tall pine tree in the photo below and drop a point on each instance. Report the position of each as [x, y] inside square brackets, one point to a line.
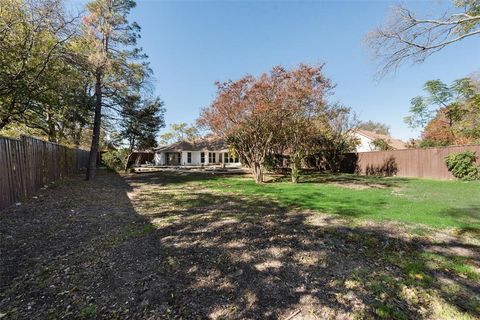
[115, 62]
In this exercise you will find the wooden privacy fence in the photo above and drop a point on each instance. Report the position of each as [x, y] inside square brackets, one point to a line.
[28, 164]
[421, 163]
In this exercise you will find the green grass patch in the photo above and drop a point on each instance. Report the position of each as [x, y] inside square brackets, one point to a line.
[386, 311]
[456, 264]
[417, 273]
[438, 204]
[88, 312]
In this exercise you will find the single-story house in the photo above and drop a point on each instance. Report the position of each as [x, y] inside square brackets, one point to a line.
[200, 152]
[214, 151]
[366, 139]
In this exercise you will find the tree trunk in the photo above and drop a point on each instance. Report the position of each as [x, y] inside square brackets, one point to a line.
[294, 174]
[127, 161]
[77, 135]
[257, 172]
[295, 166]
[52, 132]
[97, 121]
[132, 144]
[4, 121]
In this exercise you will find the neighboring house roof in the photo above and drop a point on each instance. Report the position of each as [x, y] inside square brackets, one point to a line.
[394, 143]
[205, 144]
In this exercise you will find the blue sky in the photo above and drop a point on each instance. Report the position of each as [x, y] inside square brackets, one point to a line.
[191, 44]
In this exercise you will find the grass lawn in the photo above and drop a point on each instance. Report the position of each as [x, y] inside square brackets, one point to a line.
[429, 258]
[186, 245]
[439, 204]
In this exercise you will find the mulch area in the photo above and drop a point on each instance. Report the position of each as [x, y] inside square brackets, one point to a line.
[89, 249]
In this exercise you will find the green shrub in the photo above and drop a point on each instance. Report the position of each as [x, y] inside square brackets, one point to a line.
[115, 159]
[381, 144]
[426, 143]
[274, 163]
[463, 165]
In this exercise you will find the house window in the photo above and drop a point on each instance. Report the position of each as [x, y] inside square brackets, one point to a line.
[189, 157]
[220, 157]
[202, 157]
[226, 157]
[211, 157]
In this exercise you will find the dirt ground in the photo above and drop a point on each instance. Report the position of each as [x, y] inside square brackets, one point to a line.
[149, 246]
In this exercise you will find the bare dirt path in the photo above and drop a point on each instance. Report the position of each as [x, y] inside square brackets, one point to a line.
[142, 247]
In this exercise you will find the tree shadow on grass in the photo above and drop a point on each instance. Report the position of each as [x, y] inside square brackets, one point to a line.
[353, 179]
[309, 196]
[177, 177]
[224, 256]
[469, 216]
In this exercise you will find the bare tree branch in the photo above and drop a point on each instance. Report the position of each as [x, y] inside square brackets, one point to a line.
[407, 38]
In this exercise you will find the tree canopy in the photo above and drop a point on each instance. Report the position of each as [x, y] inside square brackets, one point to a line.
[279, 112]
[178, 132]
[71, 78]
[373, 126]
[35, 60]
[448, 114]
[141, 122]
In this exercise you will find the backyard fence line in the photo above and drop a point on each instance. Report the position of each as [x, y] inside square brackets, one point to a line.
[27, 164]
[420, 163]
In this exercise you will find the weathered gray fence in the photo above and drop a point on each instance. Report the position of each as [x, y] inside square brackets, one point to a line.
[422, 163]
[28, 164]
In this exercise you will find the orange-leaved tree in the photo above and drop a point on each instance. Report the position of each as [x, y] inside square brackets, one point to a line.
[244, 117]
[302, 102]
[275, 111]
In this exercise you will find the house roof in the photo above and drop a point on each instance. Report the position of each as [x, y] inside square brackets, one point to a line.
[204, 144]
[394, 143]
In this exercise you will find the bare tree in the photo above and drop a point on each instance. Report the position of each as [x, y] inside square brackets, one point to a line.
[376, 127]
[405, 37]
[336, 136]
